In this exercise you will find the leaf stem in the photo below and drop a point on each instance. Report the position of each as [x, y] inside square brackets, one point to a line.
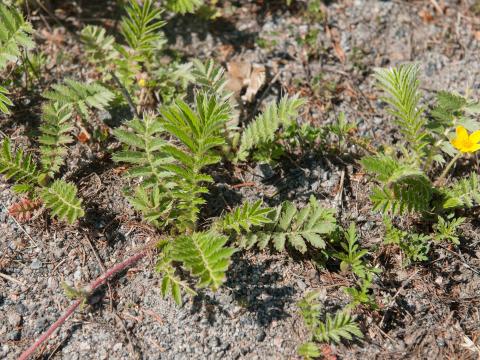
[447, 168]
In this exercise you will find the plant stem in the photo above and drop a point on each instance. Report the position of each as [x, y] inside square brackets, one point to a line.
[447, 168]
[435, 147]
[93, 285]
[428, 162]
[126, 95]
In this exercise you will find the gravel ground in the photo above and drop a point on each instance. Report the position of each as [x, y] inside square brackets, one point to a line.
[425, 310]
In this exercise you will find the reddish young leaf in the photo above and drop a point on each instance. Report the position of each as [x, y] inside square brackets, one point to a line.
[24, 209]
[327, 352]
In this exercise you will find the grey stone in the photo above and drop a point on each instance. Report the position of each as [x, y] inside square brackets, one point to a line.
[14, 319]
[36, 264]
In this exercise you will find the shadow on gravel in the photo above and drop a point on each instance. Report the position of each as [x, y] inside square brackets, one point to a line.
[101, 223]
[23, 115]
[298, 178]
[260, 290]
[220, 199]
[211, 306]
[220, 29]
[255, 288]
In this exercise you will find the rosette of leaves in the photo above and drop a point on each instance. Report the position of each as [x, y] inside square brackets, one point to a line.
[36, 178]
[59, 196]
[167, 154]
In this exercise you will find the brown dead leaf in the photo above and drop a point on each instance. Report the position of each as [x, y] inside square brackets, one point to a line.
[477, 35]
[339, 53]
[224, 52]
[83, 136]
[426, 15]
[237, 72]
[243, 74]
[327, 352]
[54, 38]
[255, 82]
[120, 170]
[337, 48]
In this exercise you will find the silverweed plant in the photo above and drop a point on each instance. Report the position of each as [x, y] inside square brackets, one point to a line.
[15, 39]
[333, 328]
[412, 175]
[130, 65]
[168, 152]
[36, 178]
[339, 326]
[180, 129]
[36, 174]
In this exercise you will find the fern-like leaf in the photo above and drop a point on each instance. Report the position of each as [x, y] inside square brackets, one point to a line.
[5, 102]
[81, 96]
[263, 129]
[246, 216]
[55, 134]
[61, 198]
[402, 88]
[175, 167]
[17, 166]
[14, 34]
[310, 309]
[210, 77]
[334, 329]
[199, 131]
[155, 205]
[382, 166]
[184, 6]
[412, 192]
[99, 47]
[297, 227]
[144, 152]
[404, 188]
[351, 257]
[448, 107]
[171, 282]
[309, 350]
[141, 26]
[205, 256]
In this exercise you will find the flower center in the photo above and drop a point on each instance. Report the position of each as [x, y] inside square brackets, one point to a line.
[467, 143]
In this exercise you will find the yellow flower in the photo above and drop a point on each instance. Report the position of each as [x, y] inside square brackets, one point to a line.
[466, 143]
[142, 83]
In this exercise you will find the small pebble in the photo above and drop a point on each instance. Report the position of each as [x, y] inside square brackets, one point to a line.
[36, 264]
[84, 346]
[14, 319]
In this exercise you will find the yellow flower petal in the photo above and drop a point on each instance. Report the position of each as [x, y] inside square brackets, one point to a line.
[457, 144]
[462, 133]
[473, 148]
[475, 137]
